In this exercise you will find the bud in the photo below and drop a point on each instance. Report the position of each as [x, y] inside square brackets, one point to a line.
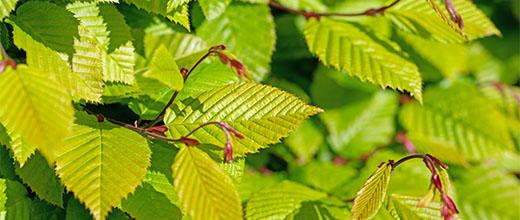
[402, 138]
[437, 182]
[231, 129]
[100, 118]
[228, 153]
[7, 62]
[161, 129]
[224, 58]
[449, 203]
[437, 161]
[455, 17]
[189, 141]
[240, 69]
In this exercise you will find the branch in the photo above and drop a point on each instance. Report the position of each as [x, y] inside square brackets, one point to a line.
[218, 50]
[317, 15]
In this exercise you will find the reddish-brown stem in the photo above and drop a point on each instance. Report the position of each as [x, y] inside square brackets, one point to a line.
[317, 15]
[211, 51]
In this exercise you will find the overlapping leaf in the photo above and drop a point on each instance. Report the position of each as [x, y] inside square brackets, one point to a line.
[486, 192]
[263, 114]
[40, 113]
[102, 163]
[175, 10]
[204, 190]
[41, 178]
[280, 200]
[370, 197]
[6, 6]
[345, 47]
[474, 130]
[55, 65]
[405, 207]
[251, 42]
[213, 8]
[14, 200]
[431, 20]
[49, 24]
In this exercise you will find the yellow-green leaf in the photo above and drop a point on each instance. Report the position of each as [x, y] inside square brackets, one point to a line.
[261, 113]
[204, 190]
[371, 196]
[102, 163]
[345, 47]
[163, 68]
[40, 113]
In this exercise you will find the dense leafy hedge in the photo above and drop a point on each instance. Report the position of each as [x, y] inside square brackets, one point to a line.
[179, 109]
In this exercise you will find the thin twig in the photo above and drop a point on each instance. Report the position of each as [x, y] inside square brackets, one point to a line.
[310, 14]
[211, 51]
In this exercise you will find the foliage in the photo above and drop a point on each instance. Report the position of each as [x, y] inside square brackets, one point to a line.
[203, 109]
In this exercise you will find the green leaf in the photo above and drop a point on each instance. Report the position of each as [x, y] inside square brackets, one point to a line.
[431, 20]
[49, 24]
[163, 68]
[41, 113]
[320, 210]
[213, 8]
[17, 203]
[6, 6]
[119, 32]
[102, 163]
[307, 5]
[280, 200]
[174, 10]
[37, 173]
[76, 211]
[118, 66]
[43, 211]
[405, 207]
[474, 130]
[262, 114]
[371, 196]
[421, 18]
[92, 56]
[359, 127]
[318, 175]
[252, 43]
[488, 193]
[305, 141]
[55, 65]
[345, 47]
[147, 203]
[204, 190]
[179, 44]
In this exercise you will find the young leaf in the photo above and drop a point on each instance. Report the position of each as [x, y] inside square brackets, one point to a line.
[213, 8]
[405, 207]
[6, 6]
[474, 130]
[178, 44]
[41, 112]
[251, 42]
[49, 24]
[37, 173]
[204, 190]
[280, 200]
[55, 65]
[371, 196]
[92, 48]
[102, 163]
[345, 47]
[421, 18]
[262, 114]
[163, 68]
